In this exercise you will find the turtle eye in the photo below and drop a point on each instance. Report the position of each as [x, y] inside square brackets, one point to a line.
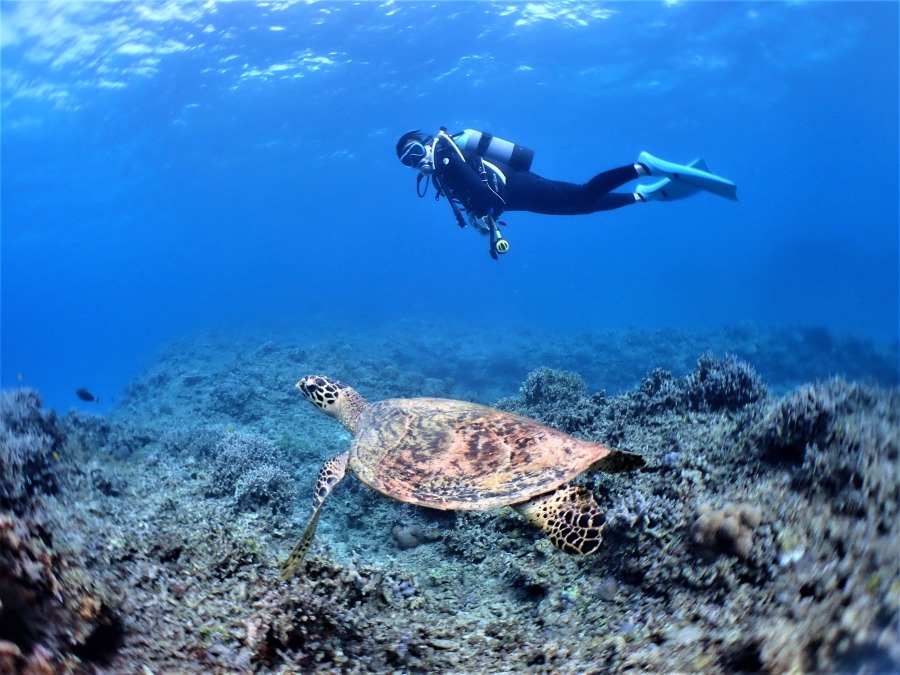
[311, 391]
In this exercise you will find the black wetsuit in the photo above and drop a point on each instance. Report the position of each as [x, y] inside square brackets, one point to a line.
[485, 186]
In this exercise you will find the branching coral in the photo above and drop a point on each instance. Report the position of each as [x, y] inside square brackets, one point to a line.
[249, 467]
[725, 384]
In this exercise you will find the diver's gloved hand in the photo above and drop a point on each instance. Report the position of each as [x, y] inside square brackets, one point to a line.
[481, 224]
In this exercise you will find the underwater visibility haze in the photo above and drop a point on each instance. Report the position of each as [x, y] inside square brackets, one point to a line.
[201, 203]
[173, 166]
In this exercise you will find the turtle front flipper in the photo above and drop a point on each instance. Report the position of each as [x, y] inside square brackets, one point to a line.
[329, 475]
[569, 516]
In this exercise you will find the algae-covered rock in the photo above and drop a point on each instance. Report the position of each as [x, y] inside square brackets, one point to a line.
[726, 530]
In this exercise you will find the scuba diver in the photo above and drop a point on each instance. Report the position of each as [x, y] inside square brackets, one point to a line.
[483, 176]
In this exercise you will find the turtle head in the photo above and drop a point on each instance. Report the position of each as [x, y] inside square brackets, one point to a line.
[333, 398]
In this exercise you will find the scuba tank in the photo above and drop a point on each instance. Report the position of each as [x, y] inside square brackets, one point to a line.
[487, 145]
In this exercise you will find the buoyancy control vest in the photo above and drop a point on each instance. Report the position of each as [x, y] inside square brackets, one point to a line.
[489, 146]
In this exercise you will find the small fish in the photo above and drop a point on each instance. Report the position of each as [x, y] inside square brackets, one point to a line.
[85, 395]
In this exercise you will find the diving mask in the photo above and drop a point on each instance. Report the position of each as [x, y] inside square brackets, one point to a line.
[416, 156]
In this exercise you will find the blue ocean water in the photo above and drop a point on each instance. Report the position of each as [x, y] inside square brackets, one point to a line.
[168, 167]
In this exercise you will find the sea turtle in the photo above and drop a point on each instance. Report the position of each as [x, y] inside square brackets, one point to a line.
[454, 455]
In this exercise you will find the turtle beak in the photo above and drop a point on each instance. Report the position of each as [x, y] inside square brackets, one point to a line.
[307, 386]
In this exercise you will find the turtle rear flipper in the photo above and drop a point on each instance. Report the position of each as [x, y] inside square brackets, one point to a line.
[569, 516]
[329, 475]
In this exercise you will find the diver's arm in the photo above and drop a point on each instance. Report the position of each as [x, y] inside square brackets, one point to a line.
[463, 182]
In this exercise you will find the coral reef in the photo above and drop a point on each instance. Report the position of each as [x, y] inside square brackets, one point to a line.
[406, 535]
[265, 486]
[714, 385]
[120, 438]
[53, 615]
[248, 467]
[722, 385]
[546, 386]
[726, 530]
[800, 418]
[760, 537]
[820, 463]
[30, 441]
[50, 606]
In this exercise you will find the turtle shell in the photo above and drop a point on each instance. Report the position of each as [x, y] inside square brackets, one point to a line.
[456, 455]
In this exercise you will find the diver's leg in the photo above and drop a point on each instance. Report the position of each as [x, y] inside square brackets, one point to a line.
[526, 191]
[616, 200]
[614, 179]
